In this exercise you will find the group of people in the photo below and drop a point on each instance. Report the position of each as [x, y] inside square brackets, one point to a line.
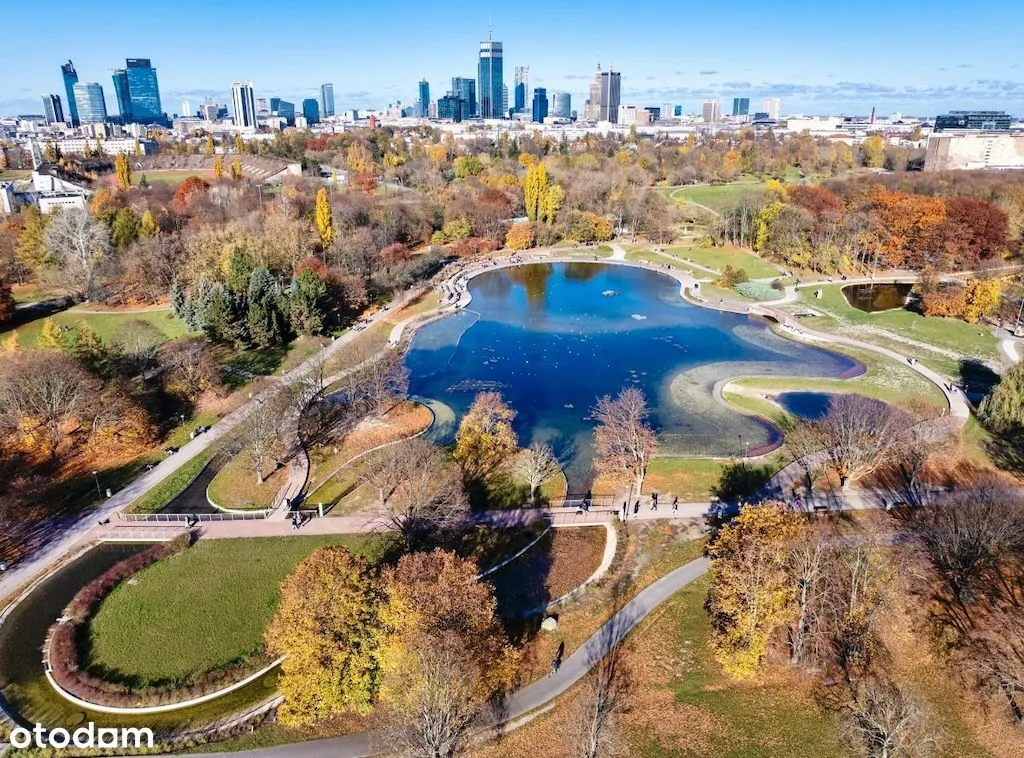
[654, 505]
[296, 519]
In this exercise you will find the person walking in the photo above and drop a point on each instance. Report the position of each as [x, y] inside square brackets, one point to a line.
[675, 503]
[654, 501]
[636, 507]
[624, 510]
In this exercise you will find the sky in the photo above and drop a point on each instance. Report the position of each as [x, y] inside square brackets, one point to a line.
[820, 57]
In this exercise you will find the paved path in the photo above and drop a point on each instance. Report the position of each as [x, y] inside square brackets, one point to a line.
[1010, 350]
[530, 697]
[618, 252]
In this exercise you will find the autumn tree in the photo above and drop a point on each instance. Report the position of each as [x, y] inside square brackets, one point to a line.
[261, 434]
[189, 368]
[751, 595]
[601, 700]
[535, 187]
[873, 151]
[218, 168]
[210, 148]
[123, 172]
[77, 244]
[533, 466]
[323, 217]
[327, 630]
[883, 720]
[236, 169]
[485, 438]
[6, 302]
[190, 189]
[624, 440]
[1002, 410]
[444, 654]
[148, 226]
[31, 250]
[519, 236]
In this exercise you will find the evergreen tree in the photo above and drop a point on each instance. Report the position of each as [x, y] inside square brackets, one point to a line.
[266, 320]
[179, 300]
[239, 271]
[308, 303]
[125, 229]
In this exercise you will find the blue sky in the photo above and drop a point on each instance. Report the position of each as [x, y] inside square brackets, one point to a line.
[819, 57]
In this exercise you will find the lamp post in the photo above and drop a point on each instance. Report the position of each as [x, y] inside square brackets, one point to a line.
[96, 478]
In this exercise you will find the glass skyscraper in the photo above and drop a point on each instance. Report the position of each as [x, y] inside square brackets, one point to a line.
[92, 108]
[144, 92]
[124, 98]
[243, 104]
[489, 77]
[327, 100]
[67, 71]
[424, 109]
[311, 110]
[465, 90]
[540, 104]
[52, 109]
[740, 106]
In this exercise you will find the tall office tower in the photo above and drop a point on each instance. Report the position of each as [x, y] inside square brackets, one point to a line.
[561, 105]
[424, 107]
[208, 110]
[522, 88]
[92, 108]
[773, 107]
[489, 76]
[740, 106]
[327, 100]
[465, 90]
[712, 111]
[243, 102]
[540, 104]
[504, 100]
[123, 96]
[311, 110]
[67, 71]
[186, 108]
[604, 96]
[53, 110]
[283, 109]
[144, 91]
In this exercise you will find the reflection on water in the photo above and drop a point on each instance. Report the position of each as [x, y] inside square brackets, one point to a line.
[552, 340]
[872, 298]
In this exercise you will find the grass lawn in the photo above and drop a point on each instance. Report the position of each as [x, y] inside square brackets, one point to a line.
[201, 610]
[106, 325]
[168, 489]
[718, 258]
[28, 293]
[235, 485]
[694, 480]
[426, 301]
[954, 339]
[718, 197]
[646, 256]
[168, 176]
[13, 174]
[368, 342]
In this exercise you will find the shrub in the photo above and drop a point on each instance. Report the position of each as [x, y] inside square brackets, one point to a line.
[757, 291]
[730, 277]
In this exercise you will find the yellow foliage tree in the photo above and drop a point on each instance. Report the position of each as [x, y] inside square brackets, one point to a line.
[209, 144]
[873, 148]
[534, 188]
[763, 223]
[236, 169]
[982, 296]
[51, 335]
[519, 236]
[149, 226]
[10, 343]
[123, 171]
[551, 202]
[218, 168]
[239, 144]
[327, 626]
[137, 149]
[485, 438]
[323, 217]
[752, 594]
[358, 159]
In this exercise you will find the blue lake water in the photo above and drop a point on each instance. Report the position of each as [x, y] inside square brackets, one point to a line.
[809, 405]
[552, 338]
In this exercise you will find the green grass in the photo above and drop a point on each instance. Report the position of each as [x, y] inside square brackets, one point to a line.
[646, 256]
[694, 480]
[718, 197]
[170, 177]
[957, 338]
[235, 487]
[203, 609]
[718, 258]
[169, 488]
[106, 325]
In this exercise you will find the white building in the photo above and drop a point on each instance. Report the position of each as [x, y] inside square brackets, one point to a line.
[630, 115]
[712, 111]
[243, 101]
[772, 106]
[952, 151]
[110, 145]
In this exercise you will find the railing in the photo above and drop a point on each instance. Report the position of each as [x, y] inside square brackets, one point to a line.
[191, 518]
[140, 534]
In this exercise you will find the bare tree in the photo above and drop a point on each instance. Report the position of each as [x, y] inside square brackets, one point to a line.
[189, 368]
[884, 721]
[261, 433]
[417, 490]
[995, 654]
[857, 435]
[624, 439]
[811, 557]
[137, 343]
[383, 379]
[78, 243]
[533, 466]
[602, 698]
[919, 445]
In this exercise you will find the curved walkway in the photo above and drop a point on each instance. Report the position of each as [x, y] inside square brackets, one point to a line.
[529, 698]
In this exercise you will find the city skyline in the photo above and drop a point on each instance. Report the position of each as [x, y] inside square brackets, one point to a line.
[949, 58]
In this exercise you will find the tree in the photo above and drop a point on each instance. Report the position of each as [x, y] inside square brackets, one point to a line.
[51, 335]
[189, 368]
[123, 171]
[857, 435]
[261, 434]
[210, 147]
[148, 226]
[751, 594]
[603, 696]
[239, 144]
[218, 168]
[417, 492]
[1002, 410]
[535, 187]
[327, 629]
[190, 189]
[125, 229]
[266, 320]
[485, 438]
[137, 343]
[468, 165]
[324, 218]
[551, 203]
[236, 169]
[308, 302]
[533, 466]
[31, 249]
[444, 654]
[6, 302]
[624, 440]
[519, 236]
[873, 150]
[884, 721]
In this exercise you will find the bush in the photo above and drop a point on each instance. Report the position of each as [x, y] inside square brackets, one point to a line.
[761, 291]
[730, 277]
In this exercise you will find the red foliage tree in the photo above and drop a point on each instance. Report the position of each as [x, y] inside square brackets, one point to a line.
[820, 201]
[187, 191]
[975, 230]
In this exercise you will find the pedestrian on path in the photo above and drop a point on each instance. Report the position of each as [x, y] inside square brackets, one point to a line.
[654, 501]
[636, 507]
[675, 503]
[624, 510]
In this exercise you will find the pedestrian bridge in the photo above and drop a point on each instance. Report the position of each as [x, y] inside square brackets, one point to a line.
[775, 314]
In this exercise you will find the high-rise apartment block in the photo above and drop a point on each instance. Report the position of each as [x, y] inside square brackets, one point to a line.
[243, 103]
[712, 111]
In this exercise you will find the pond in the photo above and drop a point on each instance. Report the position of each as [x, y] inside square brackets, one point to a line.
[874, 298]
[552, 338]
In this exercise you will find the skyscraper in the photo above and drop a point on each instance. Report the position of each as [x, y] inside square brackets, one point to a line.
[145, 92]
[604, 96]
[284, 109]
[327, 100]
[424, 107]
[311, 110]
[243, 102]
[465, 90]
[53, 110]
[561, 105]
[489, 76]
[522, 88]
[712, 111]
[67, 71]
[740, 106]
[186, 108]
[773, 107]
[92, 108]
[540, 104]
[123, 96]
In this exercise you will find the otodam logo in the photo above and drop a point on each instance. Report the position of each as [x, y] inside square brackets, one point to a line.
[88, 736]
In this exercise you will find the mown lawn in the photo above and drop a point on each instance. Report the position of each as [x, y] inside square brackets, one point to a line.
[203, 609]
[107, 325]
[718, 258]
[169, 488]
[695, 480]
[168, 176]
[718, 197]
[235, 486]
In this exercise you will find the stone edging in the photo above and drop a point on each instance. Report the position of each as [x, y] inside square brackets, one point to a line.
[144, 710]
[245, 511]
[611, 544]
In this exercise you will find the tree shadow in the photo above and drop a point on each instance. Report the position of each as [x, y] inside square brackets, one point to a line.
[741, 480]
[1007, 449]
[977, 379]
[497, 491]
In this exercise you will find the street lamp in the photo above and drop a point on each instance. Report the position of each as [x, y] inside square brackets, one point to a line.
[96, 478]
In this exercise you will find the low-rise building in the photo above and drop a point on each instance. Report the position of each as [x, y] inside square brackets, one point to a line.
[951, 151]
